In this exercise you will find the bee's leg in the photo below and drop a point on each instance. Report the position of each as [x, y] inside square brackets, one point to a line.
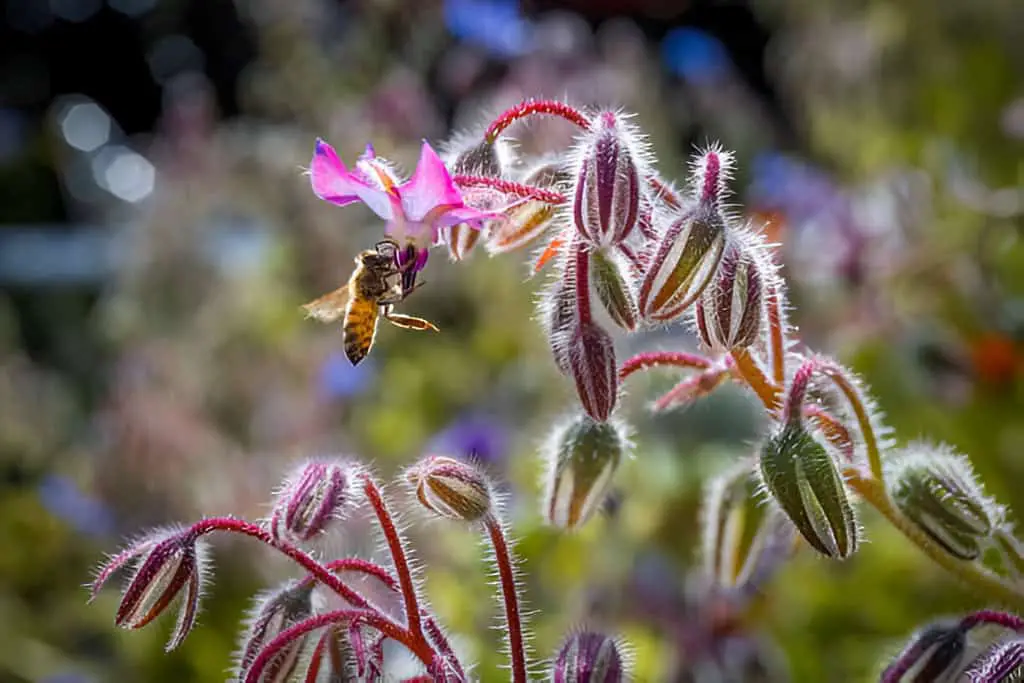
[407, 321]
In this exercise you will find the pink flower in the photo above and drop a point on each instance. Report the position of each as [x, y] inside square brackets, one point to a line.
[415, 210]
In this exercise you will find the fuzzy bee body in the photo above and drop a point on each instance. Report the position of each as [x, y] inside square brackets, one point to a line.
[367, 297]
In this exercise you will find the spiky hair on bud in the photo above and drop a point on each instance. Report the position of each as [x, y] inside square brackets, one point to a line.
[587, 655]
[711, 170]
[272, 612]
[314, 496]
[468, 153]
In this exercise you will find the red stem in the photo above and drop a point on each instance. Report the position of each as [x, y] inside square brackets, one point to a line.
[529, 107]
[679, 359]
[376, 620]
[776, 335]
[511, 599]
[988, 616]
[316, 569]
[511, 187]
[398, 556]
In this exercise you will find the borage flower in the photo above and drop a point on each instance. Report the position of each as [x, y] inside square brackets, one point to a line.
[415, 210]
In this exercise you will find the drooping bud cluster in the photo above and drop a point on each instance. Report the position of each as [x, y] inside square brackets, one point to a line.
[590, 657]
[937, 490]
[312, 497]
[451, 488]
[582, 455]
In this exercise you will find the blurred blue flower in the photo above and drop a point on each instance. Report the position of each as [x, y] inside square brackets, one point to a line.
[63, 498]
[788, 184]
[339, 379]
[696, 56]
[481, 436]
[495, 25]
[68, 677]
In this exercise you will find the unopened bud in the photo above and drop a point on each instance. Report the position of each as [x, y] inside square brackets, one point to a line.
[935, 653]
[607, 197]
[591, 353]
[274, 612]
[471, 155]
[583, 456]
[1000, 663]
[311, 499]
[525, 221]
[728, 312]
[451, 488]
[613, 289]
[936, 488]
[558, 315]
[590, 657]
[169, 563]
[803, 479]
[683, 263]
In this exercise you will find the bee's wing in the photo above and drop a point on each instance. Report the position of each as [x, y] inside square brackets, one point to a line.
[328, 308]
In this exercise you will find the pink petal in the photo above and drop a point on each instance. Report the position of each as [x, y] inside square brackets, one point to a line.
[429, 187]
[464, 214]
[334, 183]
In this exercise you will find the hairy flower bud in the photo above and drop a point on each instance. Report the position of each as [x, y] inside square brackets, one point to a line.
[590, 657]
[273, 612]
[451, 488]
[613, 290]
[591, 355]
[582, 457]
[683, 263]
[935, 653]
[936, 489]
[559, 317]
[744, 541]
[314, 496]
[1001, 662]
[803, 479]
[607, 194]
[728, 312]
[169, 563]
[525, 221]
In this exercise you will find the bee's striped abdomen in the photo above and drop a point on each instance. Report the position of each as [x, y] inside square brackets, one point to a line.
[359, 328]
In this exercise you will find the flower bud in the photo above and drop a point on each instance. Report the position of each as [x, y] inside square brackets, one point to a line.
[612, 289]
[590, 657]
[591, 354]
[740, 533]
[728, 312]
[314, 496]
[273, 612]
[582, 456]
[1003, 661]
[804, 480]
[169, 563]
[558, 315]
[451, 488]
[525, 221]
[935, 653]
[683, 263]
[936, 489]
[607, 195]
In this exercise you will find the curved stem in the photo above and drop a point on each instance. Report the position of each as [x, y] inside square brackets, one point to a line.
[989, 616]
[530, 107]
[776, 334]
[679, 359]
[750, 372]
[873, 492]
[398, 556]
[513, 619]
[510, 187]
[867, 430]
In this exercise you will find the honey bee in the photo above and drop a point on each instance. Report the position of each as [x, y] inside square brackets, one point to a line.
[369, 295]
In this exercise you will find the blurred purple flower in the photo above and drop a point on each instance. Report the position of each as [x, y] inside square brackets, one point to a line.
[787, 184]
[495, 25]
[339, 379]
[68, 677]
[63, 498]
[696, 56]
[480, 436]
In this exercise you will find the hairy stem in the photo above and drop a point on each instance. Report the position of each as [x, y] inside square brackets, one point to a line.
[679, 359]
[513, 620]
[532, 107]
[511, 188]
[750, 372]
[867, 430]
[988, 616]
[776, 334]
[582, 278]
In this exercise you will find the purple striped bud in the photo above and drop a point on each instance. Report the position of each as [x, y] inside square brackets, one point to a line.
[802, 477]
[591, 355]
[590, 657]
[583, 456]
[274, 612]
[1003, 661]
[608, 281]
[935, 653]
[169, 563]
[607, 196]
[729, 313]
[312, 498]
[683, 263]
[559, 316]
[451, 488]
